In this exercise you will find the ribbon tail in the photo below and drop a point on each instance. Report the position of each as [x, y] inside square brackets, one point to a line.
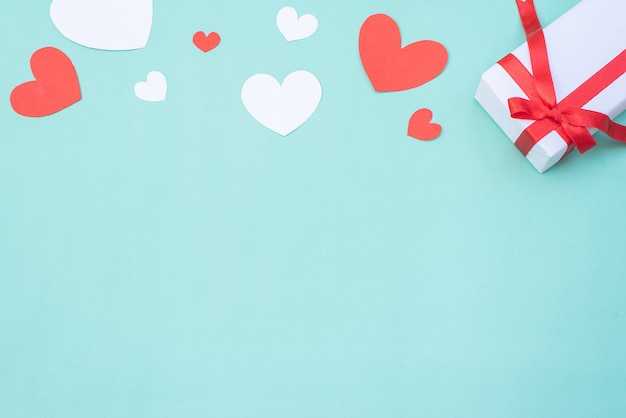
[580, 136]
[577, 119]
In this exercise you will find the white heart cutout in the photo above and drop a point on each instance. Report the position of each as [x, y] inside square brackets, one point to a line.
[282, 108]
[294, 28]
[154, 89]
[115, 25]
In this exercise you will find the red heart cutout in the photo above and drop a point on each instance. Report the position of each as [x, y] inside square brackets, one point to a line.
[55, 86]
[420, 126]
[391, 67]
[205, 43]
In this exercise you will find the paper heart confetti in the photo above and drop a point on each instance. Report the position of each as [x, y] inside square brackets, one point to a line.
[391, 67]
[294, 28]
[154, 89]
[282, 108]
[115, 25]
[205, 43]
[55, 86]
[420, 126]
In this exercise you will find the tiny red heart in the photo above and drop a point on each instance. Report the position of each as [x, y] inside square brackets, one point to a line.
[389, 66]
[420, 126]
[55, 86]
[205, 43]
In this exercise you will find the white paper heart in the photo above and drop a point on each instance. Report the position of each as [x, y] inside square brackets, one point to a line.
[282, 108]
[154, 89]
[292, 28]
[116, 25]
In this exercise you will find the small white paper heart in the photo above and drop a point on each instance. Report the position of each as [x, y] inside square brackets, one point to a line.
[292, 28]
[282, 108]
[154, 89]
[115, 25]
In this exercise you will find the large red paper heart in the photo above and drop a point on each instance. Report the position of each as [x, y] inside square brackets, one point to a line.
[391, 67]
[205, 43]
[420, 126]
[55, 86]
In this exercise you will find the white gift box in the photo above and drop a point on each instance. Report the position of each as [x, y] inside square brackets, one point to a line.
[579, 43]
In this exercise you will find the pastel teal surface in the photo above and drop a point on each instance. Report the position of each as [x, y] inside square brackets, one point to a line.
[178, 259]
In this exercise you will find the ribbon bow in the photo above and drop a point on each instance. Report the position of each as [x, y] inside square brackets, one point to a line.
[566, 117]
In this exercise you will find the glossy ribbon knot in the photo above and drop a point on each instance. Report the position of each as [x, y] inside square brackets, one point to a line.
[572, 121]
[566, 117]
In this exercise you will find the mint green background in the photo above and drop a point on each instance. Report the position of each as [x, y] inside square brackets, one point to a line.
[178, 259]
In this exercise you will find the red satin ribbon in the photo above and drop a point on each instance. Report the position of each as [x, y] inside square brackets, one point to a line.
[567, 116]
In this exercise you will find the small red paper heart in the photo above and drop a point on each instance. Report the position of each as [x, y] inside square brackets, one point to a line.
[420, 126]
[205, 43]
[55, 86]
[391, 67]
